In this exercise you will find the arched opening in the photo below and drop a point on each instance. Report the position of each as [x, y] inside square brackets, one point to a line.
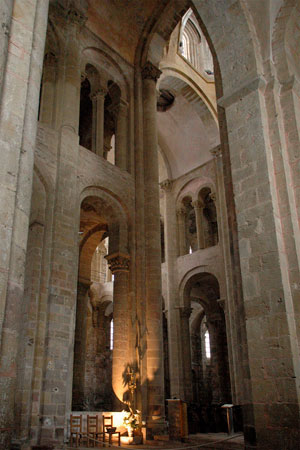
[209, 355]
[193, 45]
[85, 115]
[94, 333]
[209, 217]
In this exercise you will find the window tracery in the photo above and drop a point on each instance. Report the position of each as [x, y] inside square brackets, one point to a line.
[194, 47]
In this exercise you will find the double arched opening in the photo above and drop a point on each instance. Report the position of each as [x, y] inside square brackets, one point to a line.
[103, 120]
[197, 222]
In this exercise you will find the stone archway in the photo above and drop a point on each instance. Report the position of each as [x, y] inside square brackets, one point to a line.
[100, 218]
[241, 113]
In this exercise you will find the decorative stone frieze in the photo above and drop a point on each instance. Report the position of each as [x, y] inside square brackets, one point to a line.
[118, 262]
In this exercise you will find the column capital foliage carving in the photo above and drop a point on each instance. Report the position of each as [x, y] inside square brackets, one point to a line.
[185, 312]
[150, 72]
[118, 262]
[216, 152]
[98, 93]
[166, 185]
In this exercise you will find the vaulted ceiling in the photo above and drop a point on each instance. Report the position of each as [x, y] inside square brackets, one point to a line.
[120, 22]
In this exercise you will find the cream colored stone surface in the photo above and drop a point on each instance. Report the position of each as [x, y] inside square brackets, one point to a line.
[197, 218]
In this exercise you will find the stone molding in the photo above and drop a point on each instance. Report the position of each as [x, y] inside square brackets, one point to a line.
[242, 91]
[118, 262]
[150, 72]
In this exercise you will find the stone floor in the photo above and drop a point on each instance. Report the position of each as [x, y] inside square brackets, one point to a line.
[208, 441]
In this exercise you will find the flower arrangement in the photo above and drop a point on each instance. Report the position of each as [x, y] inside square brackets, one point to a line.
[132, 420]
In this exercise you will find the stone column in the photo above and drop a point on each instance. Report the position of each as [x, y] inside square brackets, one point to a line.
[98, 98]
[119, 266]
[181, 215]
[70, 73]
[198, 207]
[56, 389]
[172, 301]
[48, 90]
[5, 13]
[121, 135]
[155, 375]
[83, 287]
[185, 313]
[18, 123]
[215, 327]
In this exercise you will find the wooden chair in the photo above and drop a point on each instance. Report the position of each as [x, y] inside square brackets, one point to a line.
[107, 421]
[76, 430]
[93, 432]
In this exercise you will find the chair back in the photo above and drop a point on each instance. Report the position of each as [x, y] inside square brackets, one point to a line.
[92, 424]
[107, 422]
[75, 424]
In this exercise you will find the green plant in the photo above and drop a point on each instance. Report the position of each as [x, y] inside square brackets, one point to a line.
[132, 420]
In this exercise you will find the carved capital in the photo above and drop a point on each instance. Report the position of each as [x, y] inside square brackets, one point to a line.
[150, 72]
[118, 262]
[118, 109]
[83, 286]
[166, 185]
[76, 17]
[213, 196]
[98, 93]
[216, 152]
[185, 312]
[50, 59]
[198, 204]
[221, 303]
[122, 107]
[181, 212]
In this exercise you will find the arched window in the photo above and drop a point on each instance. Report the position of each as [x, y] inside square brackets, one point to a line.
[111, 335]
[86, 115]
[193, 45]
[207, 344]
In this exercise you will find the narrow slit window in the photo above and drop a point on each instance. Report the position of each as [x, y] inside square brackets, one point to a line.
[111, 335]
[207, 345]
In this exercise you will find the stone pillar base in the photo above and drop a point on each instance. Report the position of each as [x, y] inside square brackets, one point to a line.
[156, 428]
